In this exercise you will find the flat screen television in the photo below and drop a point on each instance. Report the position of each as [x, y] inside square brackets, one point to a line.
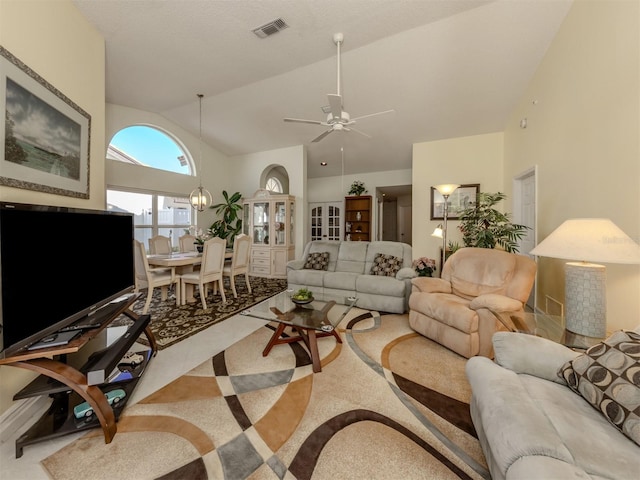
[58, 265]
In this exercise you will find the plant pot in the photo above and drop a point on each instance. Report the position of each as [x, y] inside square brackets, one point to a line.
[200, 248]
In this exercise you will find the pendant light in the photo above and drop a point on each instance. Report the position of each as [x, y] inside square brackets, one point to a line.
[200, 198]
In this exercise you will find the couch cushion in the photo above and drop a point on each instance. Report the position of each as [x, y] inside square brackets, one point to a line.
[448, 309]
[472, 274]
[608, 377]
[308, 278]
[386, 265]
[317, 261]
[341, 280]
[380, 285]
[351, 257]
[319, 246]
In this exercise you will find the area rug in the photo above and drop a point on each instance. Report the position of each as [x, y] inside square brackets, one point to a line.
[172, 323]
[388, 404]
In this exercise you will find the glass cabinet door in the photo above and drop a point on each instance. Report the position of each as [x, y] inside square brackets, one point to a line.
[260, 232]
[279, 223]
[292, 235]
[245, 218]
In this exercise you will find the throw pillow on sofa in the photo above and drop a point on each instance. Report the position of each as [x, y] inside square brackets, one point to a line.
[386, 265]
[317, 261]
[608, 377]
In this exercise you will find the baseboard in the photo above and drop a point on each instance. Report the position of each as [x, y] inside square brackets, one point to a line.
[16, 416]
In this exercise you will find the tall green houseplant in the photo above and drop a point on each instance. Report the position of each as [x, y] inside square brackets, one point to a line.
[230, 223]
[484, 226]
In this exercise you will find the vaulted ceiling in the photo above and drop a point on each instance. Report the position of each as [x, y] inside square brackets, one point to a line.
[447, 68]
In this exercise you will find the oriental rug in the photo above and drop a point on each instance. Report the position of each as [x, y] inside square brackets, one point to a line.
[172, 323]
[388, 404]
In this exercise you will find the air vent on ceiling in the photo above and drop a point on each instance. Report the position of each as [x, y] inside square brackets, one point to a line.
[270, 28]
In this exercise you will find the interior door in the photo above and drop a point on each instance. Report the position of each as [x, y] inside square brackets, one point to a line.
[326, 220]
[524, 213]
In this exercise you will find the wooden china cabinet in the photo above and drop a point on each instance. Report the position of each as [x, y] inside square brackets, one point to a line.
[268, 219]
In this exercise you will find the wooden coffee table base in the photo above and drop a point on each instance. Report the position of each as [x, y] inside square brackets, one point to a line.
[308, 335]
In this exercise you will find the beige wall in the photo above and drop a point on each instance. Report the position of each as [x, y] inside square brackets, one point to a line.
[465, 160]
[55, 41]
[583, 134]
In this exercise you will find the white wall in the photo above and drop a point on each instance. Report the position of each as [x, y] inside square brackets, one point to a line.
[55, 41]
[584, 135]
[334, 189]
[464, 160]
[247, 171]
[216, 171]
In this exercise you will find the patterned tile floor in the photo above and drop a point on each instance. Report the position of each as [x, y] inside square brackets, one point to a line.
[168, 365]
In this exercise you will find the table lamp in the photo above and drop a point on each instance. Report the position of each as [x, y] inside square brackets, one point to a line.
[588, 240]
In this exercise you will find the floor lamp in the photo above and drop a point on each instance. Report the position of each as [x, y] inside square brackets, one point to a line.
[588, 240]
[445, 190]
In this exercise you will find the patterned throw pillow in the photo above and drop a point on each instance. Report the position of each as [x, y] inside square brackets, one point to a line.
[386, 265]
[608, 377]
[317, 261]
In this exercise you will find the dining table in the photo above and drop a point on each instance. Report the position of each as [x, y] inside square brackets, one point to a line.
[183, 262]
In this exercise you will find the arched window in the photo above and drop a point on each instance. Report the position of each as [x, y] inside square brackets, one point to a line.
[151, 147]
[273, 185]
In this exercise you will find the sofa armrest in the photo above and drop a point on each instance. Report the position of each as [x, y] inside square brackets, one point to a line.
[523, 353]
[430, 285]
[295, 264]
[406, 273]
[496, 303]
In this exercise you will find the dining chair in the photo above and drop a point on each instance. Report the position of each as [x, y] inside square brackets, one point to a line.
[159, 245]
[187, 243]
[153, 277]
[239, 262]
[210, 270]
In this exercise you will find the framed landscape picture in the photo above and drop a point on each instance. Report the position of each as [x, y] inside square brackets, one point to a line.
[463, 197]
[46, 135]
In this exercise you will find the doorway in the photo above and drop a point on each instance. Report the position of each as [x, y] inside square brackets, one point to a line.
[525, 213]
[394, 213]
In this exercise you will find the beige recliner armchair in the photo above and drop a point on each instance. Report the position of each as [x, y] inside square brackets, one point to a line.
[459, 310]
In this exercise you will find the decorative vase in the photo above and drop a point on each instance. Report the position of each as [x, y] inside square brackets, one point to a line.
[199, 248]
[358, 216]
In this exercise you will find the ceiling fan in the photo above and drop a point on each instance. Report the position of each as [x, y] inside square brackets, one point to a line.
[337, 119]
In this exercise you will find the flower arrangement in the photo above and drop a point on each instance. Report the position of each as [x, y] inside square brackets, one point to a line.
[357, 188]
[202, 237]
[424, 266]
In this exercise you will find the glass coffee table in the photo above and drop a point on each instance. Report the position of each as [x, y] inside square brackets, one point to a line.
[310, 321]
[551, 327]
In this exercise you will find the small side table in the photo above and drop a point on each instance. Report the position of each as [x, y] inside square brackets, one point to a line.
[551, 327]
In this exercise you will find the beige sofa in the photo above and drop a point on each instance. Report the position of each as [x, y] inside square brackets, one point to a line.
[532, 425]
[460, 309]
[348, 273]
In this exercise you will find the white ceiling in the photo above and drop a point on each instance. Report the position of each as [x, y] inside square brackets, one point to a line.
[448, 68]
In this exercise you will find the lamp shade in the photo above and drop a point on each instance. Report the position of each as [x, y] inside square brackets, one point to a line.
[446, 188]
[438, 232]
[589, 240]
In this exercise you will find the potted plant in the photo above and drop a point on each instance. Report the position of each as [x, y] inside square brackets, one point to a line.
[484, 226]
[357, 188]
[230, 223]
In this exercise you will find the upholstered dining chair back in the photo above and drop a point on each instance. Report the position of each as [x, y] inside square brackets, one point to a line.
[239, 262]
[210, 270]
[187, 243]
[153, 277]
[159, 245]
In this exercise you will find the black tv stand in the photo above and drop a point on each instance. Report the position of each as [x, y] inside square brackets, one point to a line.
[68, 386]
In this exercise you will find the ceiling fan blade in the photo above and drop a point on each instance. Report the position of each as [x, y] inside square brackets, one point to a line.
[300, 120]
[372, 114]
[351, 129]
[322, 135]
[335, 102]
